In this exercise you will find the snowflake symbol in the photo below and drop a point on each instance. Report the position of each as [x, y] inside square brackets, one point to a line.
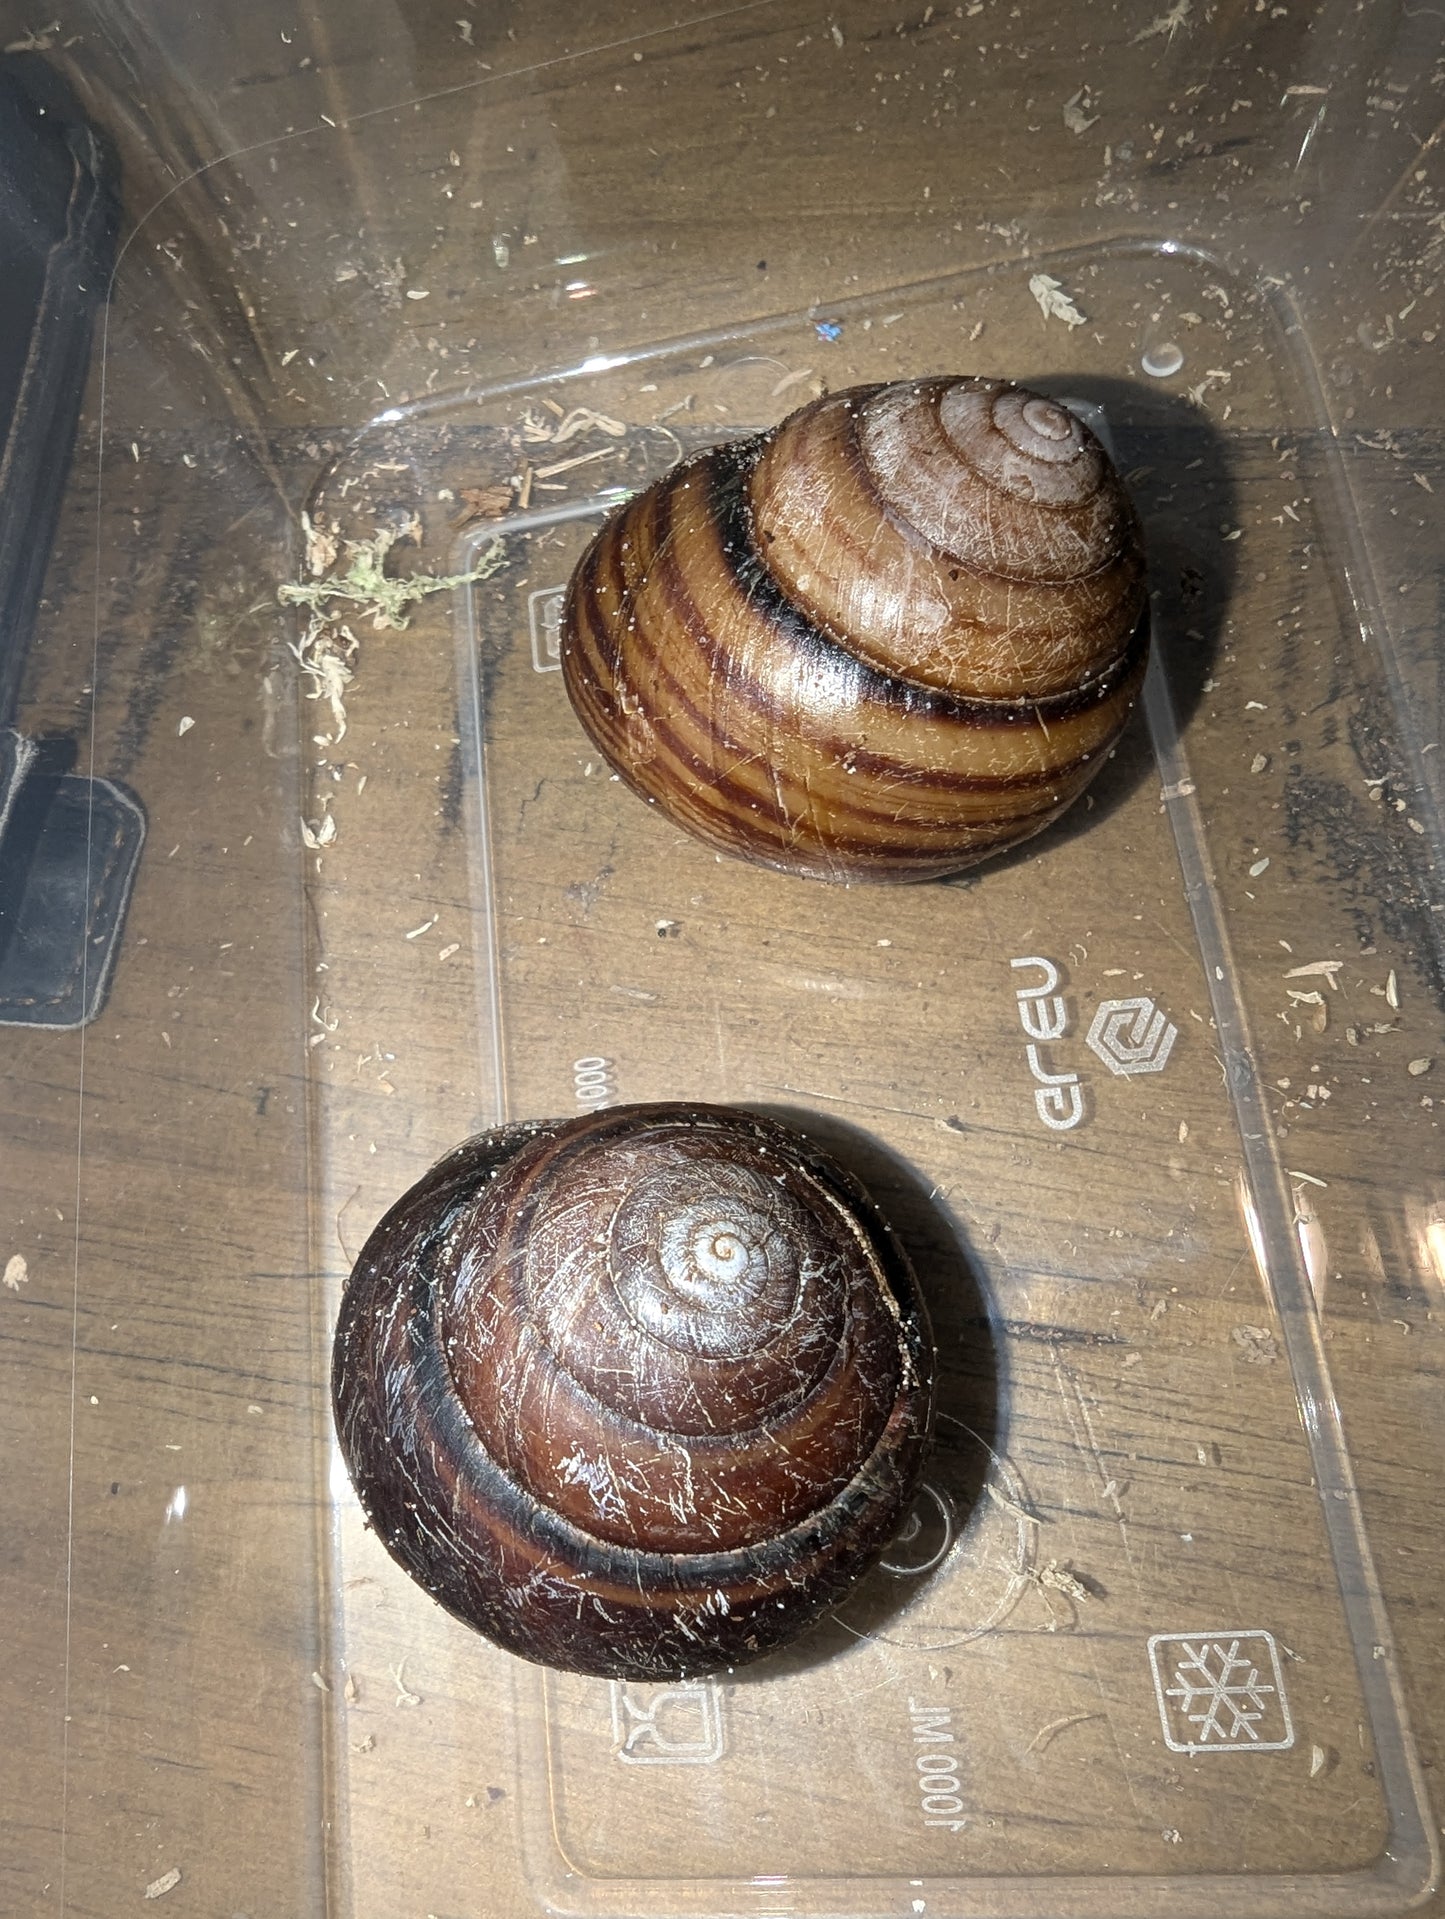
[1213, 1695]
[1221, 1692]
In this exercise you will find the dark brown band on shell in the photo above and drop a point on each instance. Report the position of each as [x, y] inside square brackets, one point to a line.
[739, 1288]
[698, 657]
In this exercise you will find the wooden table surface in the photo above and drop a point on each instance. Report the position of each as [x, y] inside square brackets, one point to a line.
[377, 254]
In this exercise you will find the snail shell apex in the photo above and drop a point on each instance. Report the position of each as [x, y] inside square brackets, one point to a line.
[893, 635]
[640, 1393]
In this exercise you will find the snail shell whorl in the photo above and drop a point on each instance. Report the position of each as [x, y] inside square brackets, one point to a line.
[639, 1393]
[892, 636]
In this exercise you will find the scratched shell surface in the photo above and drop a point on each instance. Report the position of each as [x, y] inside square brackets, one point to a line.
[640, 1393]
[892, 636]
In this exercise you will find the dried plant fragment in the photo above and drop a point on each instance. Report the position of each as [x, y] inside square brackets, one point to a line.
[1054, 302]
[1257, 1345]
[1077, 117]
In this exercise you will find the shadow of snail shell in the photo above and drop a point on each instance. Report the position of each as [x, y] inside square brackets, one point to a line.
[894, 635]
[640, 1393]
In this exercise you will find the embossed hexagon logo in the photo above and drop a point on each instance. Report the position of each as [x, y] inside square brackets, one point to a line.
[1132, 1036]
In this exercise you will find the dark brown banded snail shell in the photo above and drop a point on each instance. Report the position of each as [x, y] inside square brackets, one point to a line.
[640, 1393]
[894, 635]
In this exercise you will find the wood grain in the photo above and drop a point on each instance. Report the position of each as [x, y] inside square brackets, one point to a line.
[747, 167]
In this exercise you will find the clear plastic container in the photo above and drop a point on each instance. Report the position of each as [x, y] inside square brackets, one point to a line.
[1137, 1648]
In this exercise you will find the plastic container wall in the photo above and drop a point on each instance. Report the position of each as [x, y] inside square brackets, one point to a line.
[435, 292]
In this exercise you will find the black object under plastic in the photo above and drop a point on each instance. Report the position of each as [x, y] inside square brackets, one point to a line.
[69, 844]
[68, 854]
[58, 217]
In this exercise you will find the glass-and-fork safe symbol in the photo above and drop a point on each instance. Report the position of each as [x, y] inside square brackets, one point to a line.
[667, 1725]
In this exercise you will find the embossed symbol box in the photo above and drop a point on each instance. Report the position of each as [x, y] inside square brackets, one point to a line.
[1220, 1692]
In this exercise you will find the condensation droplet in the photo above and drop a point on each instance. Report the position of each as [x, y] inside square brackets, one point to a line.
[1162, 361]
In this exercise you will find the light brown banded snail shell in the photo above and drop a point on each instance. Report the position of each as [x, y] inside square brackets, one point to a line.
[640, 1393]
[895, 634]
